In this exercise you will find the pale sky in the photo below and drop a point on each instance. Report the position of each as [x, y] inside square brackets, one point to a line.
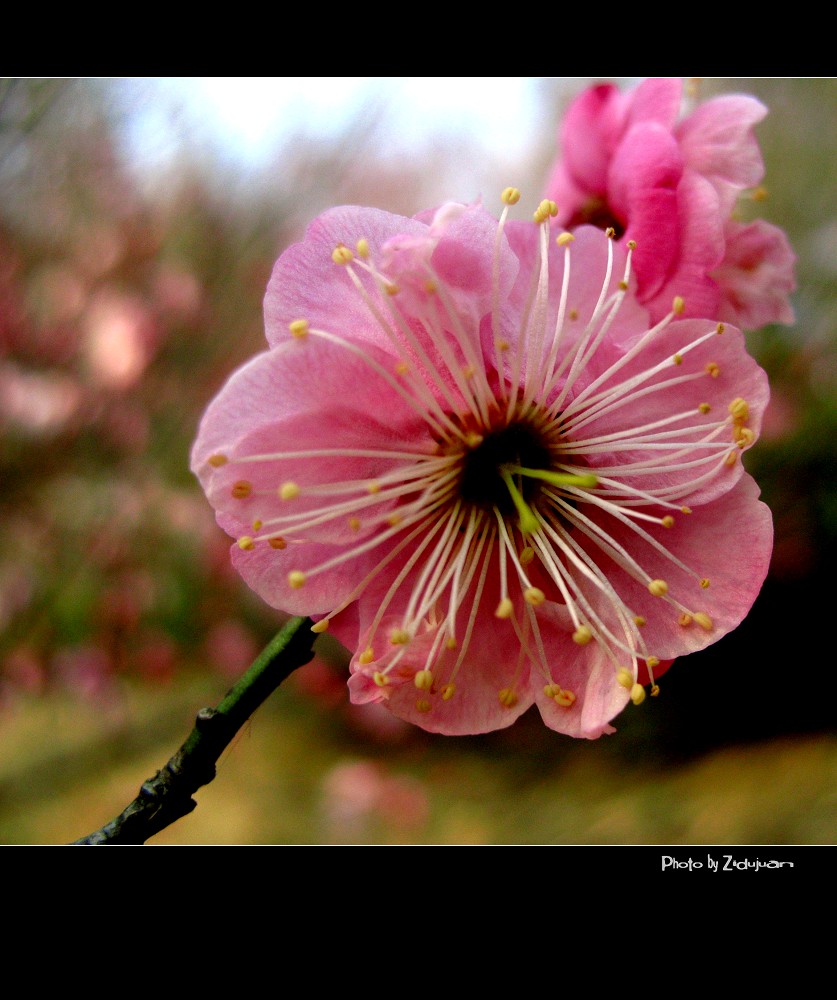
[246, 117]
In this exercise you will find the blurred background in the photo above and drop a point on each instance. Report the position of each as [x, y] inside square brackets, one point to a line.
[139, 221]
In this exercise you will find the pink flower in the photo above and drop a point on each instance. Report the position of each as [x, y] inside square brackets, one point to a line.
[671, 185]
[468, 454]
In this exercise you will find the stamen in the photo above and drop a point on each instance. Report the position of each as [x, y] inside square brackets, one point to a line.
[342, 255]
[587, 480]
[528, 521]
[637, 694]
[625, 678]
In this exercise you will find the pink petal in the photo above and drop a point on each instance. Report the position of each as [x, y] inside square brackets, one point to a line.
[643, 180]
[737, 376]
[488, 668]
[728, 541]
[307, 284]
[588, 674]
[699, 228]
[756, 276]
[717, 141]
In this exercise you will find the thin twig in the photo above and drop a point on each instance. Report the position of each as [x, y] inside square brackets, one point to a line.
[168, 795]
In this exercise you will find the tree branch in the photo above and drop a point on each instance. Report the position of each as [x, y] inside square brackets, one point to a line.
[168, 795]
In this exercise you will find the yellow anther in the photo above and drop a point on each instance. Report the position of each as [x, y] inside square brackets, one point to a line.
[450, 642]
[474, 440]
[380, 679]
[423, 705]
[685, 510]
[320, 626]
[430, 286]
[399, 637]
[744, 437]
[639, 620]
[289, 491]
[354, 523]
[507, 697]
[637, 694]
[610, 232]
[659, 588]
[678, 359]
[565, 698]
[534, 596]
[739, 410]
[216, 461]
[362, 248]
[705, 583]
[632, 244]
[623, 285]
[277, 542]
[469, 371]
[423, 680]
[527, 555]
[720, 328]
[296, 578]
[504, 608]
[257, 524]
[652, 661]
[448, 692]
[394, 520]
[704, 407]
[655, 690]
[684, 619]
[510, 196]
[373, 487]
[367, 656]
[625, 678]
[402, 368]
[241, 489]
[668, 521]
[704, 621]
[678, 305]
[545, 210]
[550, 690]
[503, 345]
[759, 194]
[342, 255]
[564, 239]
[731, 459]
[299, 328]
[582, 635]
[391, 288]
[246, 543]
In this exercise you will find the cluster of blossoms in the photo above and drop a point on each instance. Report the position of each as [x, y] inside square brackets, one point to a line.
[472, 453]
[628, 161]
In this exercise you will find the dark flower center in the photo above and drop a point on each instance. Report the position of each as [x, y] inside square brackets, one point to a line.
[516, 444]
[596, 212]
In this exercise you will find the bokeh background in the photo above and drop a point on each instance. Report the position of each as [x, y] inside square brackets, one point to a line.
[139, 220]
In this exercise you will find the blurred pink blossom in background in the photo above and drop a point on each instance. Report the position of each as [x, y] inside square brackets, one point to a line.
[629, 161]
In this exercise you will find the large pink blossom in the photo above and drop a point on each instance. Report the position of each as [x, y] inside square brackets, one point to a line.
[628, 161]
[469, 454]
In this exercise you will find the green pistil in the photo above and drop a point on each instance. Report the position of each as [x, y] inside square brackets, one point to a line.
[528, 521]
[556, 478]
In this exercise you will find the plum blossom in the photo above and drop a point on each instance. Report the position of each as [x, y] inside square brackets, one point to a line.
[471, 455]
[629, 161]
